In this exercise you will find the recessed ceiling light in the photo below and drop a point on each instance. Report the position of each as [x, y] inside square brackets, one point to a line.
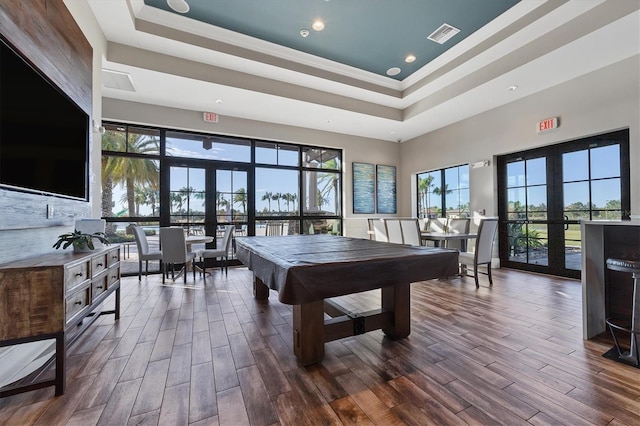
[318, 25]
[218, 101]
[512, 88]
[393, 132]
[304, 33]
[410, 58]
[393, 71]
[180, 6]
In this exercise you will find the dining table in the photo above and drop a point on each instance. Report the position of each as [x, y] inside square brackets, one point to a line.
[307, 271]
[197, 239]
[438, 237]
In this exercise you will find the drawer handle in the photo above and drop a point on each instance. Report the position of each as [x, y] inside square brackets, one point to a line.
[114, 276]
[79, 274]
[114, 257]
[78, 303]
[99, 286]
[99, 264]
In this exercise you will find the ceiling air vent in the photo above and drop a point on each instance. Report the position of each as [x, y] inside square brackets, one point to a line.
[444, 33]
[117, 80]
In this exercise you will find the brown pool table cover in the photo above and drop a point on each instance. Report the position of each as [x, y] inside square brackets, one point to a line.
[306, 268]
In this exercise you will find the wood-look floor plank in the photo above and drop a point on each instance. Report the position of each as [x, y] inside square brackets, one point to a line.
[202, 401]
[149, 397]
[232, 411]
[179, 366]
[118, 409]
[259, 408]
[175, 406]
[104, 383]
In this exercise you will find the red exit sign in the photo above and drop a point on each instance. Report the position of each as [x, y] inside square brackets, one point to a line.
[547, 124]
[210, 117]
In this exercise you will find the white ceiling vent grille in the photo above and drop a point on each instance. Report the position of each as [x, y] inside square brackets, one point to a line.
[444, 33]
[117, 80]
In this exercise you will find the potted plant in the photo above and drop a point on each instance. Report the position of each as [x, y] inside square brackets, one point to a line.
[81, 242]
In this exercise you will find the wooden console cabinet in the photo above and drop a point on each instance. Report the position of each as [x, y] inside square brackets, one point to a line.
[55, 296]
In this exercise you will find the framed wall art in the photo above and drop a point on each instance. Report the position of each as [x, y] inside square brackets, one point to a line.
[386, 189]
[363, 188]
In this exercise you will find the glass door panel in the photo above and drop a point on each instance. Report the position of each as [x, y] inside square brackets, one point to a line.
[527, 232]
[187, 196]
[544, 193]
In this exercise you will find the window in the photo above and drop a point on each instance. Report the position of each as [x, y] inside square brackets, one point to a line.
[208, 147]
[444, 192]
[163, 177]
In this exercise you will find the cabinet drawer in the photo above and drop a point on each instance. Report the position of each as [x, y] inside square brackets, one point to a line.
[98, 264]
[114, 274]
[77, 302]
[99, 285]
[75, 275]
[113, 257]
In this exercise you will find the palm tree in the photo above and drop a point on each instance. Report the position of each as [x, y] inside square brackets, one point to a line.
[442, 190]
[127, 170]
[276, 197]
[329, 183]
[240, 197]
[267, 196]
[288, 198]
[424, 190]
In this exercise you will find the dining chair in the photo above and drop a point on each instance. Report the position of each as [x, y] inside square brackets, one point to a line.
[483, 249]
[410, 231]
[144, 252]
[394, 231]
[221, 252]
[377, 230]
[174, 252]
[274, 228]
[457, 226]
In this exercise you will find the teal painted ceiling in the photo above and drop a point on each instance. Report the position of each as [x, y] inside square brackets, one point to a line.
[370, 35]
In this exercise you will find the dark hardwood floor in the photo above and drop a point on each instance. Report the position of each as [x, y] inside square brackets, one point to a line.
[211, 354]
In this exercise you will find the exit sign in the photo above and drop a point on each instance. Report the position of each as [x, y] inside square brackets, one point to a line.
[210, 117]
[547, 124]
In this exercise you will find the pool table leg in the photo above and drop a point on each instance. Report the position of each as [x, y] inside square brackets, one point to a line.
[308, 332]
[397, 299]
[260, 289]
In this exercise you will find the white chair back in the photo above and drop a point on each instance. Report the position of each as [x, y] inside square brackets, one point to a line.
[174, 245]
[378, 230]
[141, 239]
[226, 238]
[274, 228]
[484, 241]
[394, 231]
[437, 225]
[410, 231]
[458, 226]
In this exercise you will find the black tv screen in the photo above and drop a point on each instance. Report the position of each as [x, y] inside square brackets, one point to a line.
[44, 135]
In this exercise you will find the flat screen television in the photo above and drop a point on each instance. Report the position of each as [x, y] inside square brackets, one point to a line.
[44, 135]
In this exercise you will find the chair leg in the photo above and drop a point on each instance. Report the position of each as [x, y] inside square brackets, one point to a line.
[475, 274]
[489, 273]
[193, 268]
[164, 272]
[139, 270]
[146, 268]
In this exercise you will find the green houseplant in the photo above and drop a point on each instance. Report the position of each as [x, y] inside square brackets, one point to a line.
[80, 241]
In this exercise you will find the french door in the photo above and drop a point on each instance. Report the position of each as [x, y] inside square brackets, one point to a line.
[543, 194]
[204, 196]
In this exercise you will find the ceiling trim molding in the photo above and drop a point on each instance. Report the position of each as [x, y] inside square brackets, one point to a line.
[153, 61]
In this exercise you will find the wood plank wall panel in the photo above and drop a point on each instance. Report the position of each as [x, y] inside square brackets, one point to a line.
[45, 32]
